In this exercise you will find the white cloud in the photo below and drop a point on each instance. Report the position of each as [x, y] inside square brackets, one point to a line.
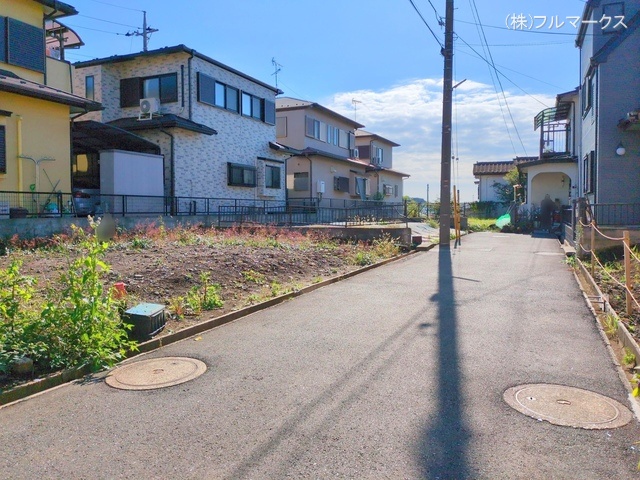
[411, 114]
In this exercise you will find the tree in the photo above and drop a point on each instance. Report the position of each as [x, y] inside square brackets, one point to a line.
[505, 190]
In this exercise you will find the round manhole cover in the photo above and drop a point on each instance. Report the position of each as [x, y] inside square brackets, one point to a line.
[156, 373]
[568, 406]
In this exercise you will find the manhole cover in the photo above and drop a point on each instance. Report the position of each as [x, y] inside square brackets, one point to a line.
[568, 406]
[156, 373]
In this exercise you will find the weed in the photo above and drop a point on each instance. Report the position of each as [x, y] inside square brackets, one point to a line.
[629, 358]
[177, 307]
[140, 243]
[610, 323]
[385, 247]
[316, 280]
[253, 277]
[362, 259]
[276, 289]
[571, 261]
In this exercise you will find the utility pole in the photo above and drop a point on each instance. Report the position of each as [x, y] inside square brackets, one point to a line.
[447, 104]
[145, 34]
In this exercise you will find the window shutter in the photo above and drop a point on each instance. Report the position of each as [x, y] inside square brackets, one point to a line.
[365, 151]
[3, 150]
[3, 39]
[26, 45]
[129, 92]
[310, 126]
[206, 89]
[169, 88]
[269, 112]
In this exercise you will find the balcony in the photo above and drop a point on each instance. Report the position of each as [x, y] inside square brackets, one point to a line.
[555, 131]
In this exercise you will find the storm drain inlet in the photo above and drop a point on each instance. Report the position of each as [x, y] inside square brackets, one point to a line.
[568, 406]
[156, 373]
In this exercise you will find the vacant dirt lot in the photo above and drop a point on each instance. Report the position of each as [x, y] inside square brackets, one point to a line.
[159, 266]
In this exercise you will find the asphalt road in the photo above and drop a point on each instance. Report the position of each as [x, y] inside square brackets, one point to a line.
[395, 373]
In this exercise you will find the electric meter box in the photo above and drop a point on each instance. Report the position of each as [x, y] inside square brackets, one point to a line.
[147, 319]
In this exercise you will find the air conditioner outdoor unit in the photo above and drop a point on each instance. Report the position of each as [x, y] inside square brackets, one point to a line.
[149, 106]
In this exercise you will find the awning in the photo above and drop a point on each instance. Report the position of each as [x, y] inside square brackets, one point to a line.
[162, 121]
[555, 114]
[92, 137]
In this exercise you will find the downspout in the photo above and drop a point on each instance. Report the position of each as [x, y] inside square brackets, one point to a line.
[310, 178]
[189, 79]
[19, 158]
[172, 169]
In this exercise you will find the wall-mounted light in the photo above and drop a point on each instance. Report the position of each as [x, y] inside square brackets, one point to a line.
[620, 150]
[562, 181]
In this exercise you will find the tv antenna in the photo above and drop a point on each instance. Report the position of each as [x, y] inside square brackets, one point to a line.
[145, 33]
[355, 108]
[277, 67]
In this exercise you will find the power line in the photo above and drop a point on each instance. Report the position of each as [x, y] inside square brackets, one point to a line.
[484, 39]
[425, 22]
[117, 6]
[108, 21]
[521, 30]
[438, 17]
[93, 29]
[499, 72]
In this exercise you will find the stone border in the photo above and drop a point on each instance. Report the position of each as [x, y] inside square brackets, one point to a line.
[21, 392]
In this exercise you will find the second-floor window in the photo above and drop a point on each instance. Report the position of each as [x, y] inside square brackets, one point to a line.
[164, 87]
[252, 106]
[89, 87]
[312, 128]
[377, 156]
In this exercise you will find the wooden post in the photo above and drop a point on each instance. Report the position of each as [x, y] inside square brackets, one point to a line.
[593, 251]
[627, 270]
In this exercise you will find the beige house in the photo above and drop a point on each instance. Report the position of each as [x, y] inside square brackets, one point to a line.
[325, 163]
[35, 104]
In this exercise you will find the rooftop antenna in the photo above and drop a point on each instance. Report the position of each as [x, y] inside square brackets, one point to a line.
[145, 33]
[277, 68]
[355, 108]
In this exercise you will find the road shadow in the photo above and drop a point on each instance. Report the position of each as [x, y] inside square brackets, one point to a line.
[444, 444]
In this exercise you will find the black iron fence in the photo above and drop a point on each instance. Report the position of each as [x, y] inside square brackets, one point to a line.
[228, 211]
[616, 214]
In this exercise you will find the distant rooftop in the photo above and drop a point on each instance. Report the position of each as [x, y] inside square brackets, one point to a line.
[289, 103]
[492, 168]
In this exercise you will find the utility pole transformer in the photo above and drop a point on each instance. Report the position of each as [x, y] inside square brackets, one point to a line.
[447, 104]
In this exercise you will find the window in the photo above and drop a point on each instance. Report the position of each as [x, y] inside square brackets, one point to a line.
[588, 93]
[301, 181]
[241, 175]
[251, 106]
[3, 150]
[220, 95]
[272, 177]
[231, 97]
[388, 190]
[333, 135]
[589, 172]
[377, 156]
[89, 87]
[313, 128]
[164, 87]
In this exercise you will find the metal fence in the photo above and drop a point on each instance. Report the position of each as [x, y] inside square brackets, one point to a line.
[228, 211]
[616, 214]
[312, 215]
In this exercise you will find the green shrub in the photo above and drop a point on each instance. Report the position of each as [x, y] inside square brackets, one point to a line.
[81, 323]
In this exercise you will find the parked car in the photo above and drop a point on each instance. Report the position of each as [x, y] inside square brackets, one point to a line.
[86, 201]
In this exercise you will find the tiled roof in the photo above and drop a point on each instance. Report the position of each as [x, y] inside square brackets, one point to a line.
[492, 168]
[11, 83]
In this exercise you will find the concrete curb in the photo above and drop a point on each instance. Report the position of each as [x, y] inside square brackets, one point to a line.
[26, 390]
[624, 337]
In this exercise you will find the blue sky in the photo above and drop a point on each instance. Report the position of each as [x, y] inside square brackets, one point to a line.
[380, 53]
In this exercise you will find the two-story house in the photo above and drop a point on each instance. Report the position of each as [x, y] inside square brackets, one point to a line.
[214, 124]
[35, 103]
[609, 41]
[326, 164]
[554, 171]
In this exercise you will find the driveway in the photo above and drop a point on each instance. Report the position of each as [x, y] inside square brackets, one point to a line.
[395, 373]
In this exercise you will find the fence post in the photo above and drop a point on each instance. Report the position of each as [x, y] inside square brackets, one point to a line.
[627, 270]
[592, 248]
